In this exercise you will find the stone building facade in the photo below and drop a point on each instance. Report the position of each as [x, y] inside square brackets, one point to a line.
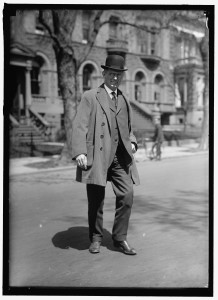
[165, 77]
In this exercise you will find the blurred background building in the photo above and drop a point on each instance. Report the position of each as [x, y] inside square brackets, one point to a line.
[165, 77]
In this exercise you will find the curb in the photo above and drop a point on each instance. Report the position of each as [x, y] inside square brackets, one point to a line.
[35, 171]
[73, 167]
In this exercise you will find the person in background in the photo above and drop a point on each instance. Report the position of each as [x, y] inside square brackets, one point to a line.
[103, 146]
[158, 140]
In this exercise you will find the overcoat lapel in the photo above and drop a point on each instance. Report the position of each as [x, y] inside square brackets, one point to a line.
[102, 98]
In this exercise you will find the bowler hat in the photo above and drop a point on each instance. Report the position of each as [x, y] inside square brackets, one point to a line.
[114, 62]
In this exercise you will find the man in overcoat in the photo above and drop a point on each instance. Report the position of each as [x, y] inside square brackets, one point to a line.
[103, 146]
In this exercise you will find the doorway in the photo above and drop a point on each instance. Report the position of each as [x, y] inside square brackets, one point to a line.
[16, 92]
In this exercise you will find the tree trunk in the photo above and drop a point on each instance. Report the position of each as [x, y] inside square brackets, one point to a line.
[68, 84]
[203, 145]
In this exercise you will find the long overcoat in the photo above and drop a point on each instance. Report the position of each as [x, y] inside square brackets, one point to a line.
[92, 137]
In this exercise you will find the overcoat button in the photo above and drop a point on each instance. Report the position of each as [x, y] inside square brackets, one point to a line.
[101, 149]
[103, 124]
[101, 136]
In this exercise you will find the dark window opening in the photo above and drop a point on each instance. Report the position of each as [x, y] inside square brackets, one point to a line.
[156, 96]
[86, 24]
[39, 27]
[181, 85]
[85, 34]
[153, 43]
[139, 86]
[62, 121]
[113, 27]
[87, 77]
[158, 79]
[138, 93]
[35, 81]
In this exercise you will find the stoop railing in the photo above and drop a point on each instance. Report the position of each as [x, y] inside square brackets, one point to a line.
[41, 124]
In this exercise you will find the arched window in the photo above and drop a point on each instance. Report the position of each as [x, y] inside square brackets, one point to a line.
[139, 90]
[159, 86]
[89, 77]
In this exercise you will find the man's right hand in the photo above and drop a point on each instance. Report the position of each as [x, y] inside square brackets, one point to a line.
[82, 161]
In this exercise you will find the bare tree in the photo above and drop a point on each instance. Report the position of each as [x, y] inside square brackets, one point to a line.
[60, 25]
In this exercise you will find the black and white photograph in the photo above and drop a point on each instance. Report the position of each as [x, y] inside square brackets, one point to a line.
[108, 121]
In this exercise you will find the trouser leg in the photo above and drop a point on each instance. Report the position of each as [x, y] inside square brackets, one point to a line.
[123, 188]
[159, 150]
[152, 149]
[95, 194]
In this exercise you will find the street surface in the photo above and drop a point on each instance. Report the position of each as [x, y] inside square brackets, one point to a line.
[168, 228]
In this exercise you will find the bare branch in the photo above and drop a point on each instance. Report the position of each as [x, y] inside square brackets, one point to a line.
[167, 21]
[95, 27]
[144, 28]
[48, 28]
[64, 22]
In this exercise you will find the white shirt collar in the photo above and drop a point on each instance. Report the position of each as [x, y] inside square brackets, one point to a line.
[109, 90]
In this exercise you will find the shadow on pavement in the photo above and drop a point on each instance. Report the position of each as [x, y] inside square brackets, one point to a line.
[187, 210]
[78, 238]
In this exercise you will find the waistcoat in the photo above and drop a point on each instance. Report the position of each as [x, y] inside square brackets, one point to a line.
[119, 124]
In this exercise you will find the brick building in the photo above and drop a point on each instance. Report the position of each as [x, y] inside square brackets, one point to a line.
[165, 76]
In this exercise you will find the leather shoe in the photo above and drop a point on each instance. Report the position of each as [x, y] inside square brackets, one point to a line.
[124, 247]
[95, 247]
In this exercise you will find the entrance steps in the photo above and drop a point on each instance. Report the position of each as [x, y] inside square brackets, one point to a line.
[27, 134]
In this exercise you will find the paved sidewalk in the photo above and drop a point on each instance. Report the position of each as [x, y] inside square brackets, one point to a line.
[29, 165]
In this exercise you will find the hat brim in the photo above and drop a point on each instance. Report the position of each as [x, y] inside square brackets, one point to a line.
[115, 69]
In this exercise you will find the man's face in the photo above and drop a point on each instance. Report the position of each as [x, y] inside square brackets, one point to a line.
[112, 78]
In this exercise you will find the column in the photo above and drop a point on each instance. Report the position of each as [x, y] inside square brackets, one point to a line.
[28, 96]
[185, 93]
[185, 104]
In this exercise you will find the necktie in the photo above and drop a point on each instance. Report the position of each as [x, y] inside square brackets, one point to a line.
[114, 98]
